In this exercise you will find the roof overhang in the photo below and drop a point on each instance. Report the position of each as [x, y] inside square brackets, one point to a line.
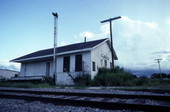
[48, 57]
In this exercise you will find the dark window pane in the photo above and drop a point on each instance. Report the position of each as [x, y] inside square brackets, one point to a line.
[94, 66]
[106, 63]
[66, 64]
[78, 63]
[48, 68]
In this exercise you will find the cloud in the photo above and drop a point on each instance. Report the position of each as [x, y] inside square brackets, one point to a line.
[168, 21]
[162, 52]
[138, 40]
[63, 43]
[135, 41]
[86, 34]
[164, 55]
[104, 32]
[152, 25]
[5, 64]
[105, 29]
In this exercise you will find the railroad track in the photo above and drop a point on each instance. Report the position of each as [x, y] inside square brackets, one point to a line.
[94, 100]
[151, 90]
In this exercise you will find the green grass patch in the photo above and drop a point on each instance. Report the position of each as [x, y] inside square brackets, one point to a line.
[26, 85]
[113, 77]
[119, 77]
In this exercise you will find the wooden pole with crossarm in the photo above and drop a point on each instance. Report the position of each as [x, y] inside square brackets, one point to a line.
[158, 61]
[110, 21]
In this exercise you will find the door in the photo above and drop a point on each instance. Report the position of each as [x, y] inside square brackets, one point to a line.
[48, 69]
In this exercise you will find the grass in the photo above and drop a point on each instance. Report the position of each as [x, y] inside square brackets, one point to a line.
[26, 85]
[116, 77]
[158, 84]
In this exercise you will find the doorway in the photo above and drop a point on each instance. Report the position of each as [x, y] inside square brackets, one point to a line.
[48, 69]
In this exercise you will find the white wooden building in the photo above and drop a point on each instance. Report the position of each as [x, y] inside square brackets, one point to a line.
[7, 74]
[85, 57]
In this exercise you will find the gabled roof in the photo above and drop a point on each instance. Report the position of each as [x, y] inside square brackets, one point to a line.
[72, 48]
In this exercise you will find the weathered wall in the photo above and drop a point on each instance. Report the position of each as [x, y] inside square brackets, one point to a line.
[99, 55]
[39, 68]
[35, 69]
[7, 73]
[62, 77]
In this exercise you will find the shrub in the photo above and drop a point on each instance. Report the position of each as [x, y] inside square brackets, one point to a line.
[140, 82]
[159, 76]
[83, 80]
[3, 79]
[113, 77]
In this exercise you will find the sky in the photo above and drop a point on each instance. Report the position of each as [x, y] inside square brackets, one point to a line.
[139, 37]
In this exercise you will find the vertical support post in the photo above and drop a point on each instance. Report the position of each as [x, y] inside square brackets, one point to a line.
[158, 61]
[84, 39]
[160, 70]
[111, 44]
[55, 50]
[110, 21]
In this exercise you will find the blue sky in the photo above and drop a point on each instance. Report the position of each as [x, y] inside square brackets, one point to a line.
[140, 36]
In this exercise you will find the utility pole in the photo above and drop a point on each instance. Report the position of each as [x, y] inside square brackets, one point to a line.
[110, 21]
[158, 61]
[55, 46]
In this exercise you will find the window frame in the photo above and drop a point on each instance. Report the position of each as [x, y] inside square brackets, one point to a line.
[48, 68]
[66, 63]
[78, 63]
[105, 63]
[94, 66]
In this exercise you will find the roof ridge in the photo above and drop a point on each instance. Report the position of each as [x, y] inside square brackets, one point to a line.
[81, 42]
[69, 45]
[63, 49]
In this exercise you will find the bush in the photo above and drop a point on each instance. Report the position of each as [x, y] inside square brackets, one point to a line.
[113, 77]
[3, 79]
[159, 76]
[140, 82]
[83, 80]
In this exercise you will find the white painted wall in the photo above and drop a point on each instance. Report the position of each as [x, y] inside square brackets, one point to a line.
[35, 69]
[62, 77]
[7, 73]
[39, 68]
[96, 56]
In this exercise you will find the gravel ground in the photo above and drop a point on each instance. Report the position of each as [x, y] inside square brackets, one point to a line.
[116, 100]
[104, 91]
[13, 105]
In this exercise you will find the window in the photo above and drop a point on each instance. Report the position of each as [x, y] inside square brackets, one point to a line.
[111, 65]
[102, 62]
[78, 63]
[25, 68]
[105, 62]
[94, 66]
[48, 68]
[66, 64]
